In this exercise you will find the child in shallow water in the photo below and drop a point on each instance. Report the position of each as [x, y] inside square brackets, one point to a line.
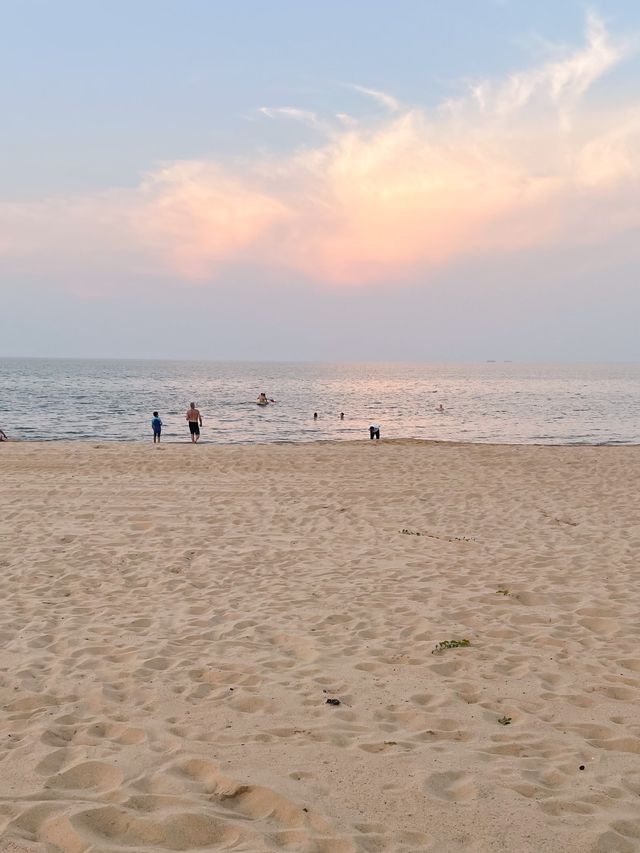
[156, 426]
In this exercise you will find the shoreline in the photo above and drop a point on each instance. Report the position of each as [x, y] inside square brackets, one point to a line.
[127, 442]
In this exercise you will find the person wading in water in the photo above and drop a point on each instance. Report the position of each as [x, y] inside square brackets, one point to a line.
[195, 422]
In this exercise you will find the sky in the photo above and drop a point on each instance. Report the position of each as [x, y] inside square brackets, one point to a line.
[296, 180]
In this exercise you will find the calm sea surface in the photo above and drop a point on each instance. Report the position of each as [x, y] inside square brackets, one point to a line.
[492, 402]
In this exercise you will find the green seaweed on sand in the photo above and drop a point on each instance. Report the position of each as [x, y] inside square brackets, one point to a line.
[450, 644]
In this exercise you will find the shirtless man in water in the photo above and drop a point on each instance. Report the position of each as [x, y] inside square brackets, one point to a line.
[195, 422]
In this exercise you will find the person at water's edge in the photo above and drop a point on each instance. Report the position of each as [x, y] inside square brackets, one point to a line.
[194, 418]
[374, 431]
[156, 426]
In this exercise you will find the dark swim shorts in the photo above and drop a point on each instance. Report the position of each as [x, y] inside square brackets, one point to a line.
[194, 427]
[157, 430]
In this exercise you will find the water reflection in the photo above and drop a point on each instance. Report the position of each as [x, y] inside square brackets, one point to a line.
[56, 399]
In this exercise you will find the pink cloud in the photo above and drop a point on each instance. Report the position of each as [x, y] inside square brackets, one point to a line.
[193, 216]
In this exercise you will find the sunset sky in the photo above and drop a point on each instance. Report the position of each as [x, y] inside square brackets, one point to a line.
[419, 180]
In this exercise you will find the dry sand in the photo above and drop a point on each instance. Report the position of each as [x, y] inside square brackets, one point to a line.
[174, 620]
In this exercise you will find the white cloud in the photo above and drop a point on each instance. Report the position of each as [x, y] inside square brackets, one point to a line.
[560, 82]
[383, 98]
[307, 117]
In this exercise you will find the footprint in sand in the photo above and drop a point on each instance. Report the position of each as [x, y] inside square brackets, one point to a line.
[95, 775]
[452, 785]
[611, 842]
[179, 831]
[624, 744]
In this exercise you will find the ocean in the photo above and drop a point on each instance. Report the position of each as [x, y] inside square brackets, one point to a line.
[113, 400]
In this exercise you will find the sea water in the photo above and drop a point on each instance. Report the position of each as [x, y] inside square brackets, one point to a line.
[113, 400]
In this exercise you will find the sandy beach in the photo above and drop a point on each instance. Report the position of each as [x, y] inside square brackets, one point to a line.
[174, 621]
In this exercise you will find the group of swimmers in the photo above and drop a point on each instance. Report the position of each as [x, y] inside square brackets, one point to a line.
[315, 416]
[194, 419]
